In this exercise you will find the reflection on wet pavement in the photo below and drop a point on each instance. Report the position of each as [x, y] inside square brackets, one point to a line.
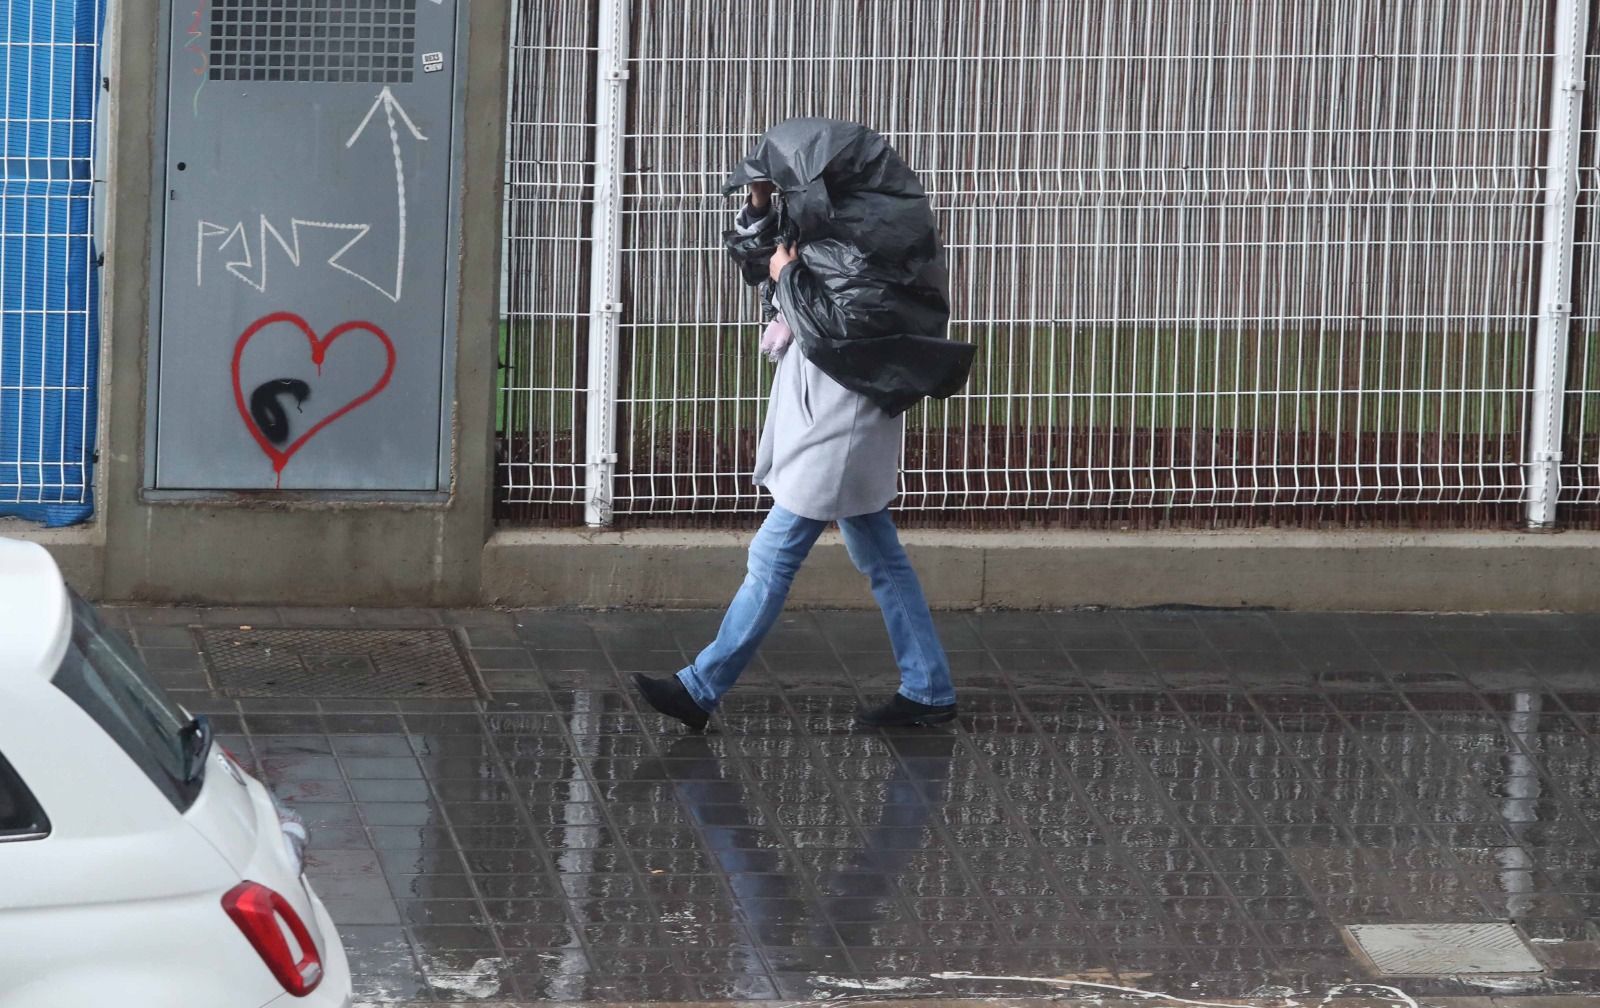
[1173, 801]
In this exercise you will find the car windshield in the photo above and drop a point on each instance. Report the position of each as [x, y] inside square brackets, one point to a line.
[104, 676]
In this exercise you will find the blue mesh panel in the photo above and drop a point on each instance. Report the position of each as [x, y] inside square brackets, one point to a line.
[49, 294]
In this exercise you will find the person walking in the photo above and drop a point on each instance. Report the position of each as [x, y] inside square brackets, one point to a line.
[839, 235]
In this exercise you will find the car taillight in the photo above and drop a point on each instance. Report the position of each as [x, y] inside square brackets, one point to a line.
[277, 934]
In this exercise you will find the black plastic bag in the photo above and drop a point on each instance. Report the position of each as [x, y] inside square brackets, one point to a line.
[868, 298]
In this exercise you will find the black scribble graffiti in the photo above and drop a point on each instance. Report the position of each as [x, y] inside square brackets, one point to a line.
[269, 414]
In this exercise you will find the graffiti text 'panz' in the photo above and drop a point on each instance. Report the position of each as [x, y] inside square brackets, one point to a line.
[247, 253]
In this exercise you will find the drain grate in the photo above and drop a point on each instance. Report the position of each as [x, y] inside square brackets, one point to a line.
[1443, 949]
[335, 663]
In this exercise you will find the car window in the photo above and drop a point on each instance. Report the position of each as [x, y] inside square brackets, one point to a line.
[21, 818]
[106, 678]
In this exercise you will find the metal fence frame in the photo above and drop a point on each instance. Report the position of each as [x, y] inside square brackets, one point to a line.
[1338, 255]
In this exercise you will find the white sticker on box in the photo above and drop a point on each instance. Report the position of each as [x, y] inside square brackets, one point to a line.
[432, 62]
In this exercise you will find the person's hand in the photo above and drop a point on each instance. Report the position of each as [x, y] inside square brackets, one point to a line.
[761, 194]
[782, 256]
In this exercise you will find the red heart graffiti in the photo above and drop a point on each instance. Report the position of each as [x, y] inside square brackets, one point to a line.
[319, 350]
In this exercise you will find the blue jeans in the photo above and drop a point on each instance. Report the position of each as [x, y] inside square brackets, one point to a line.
[776, 553]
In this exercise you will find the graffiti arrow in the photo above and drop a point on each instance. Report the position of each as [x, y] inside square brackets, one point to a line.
[391, 109]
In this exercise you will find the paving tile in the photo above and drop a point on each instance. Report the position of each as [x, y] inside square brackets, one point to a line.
[652, 660]
[163, 637]
[239, 616]
[311, 616]
[476, 617]
[395, 617]
[137, 616]
[502, 659]
[163, 660]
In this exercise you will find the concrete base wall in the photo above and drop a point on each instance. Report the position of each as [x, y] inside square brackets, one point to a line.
[80, 552]
[332, 556]
[1382, 571]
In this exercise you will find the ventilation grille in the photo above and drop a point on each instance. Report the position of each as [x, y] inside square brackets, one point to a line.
[354, 42]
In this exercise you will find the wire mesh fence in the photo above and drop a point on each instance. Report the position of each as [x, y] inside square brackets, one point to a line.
[1225, 262]
[49, 338]
[545, 304]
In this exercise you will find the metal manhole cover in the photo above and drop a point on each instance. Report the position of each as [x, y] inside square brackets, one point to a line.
[1443, 949]
[335, 663]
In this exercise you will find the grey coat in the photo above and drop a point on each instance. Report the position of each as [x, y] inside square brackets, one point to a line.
[826, 452]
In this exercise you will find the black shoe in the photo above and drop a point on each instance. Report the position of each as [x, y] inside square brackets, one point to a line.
[902, 713]
[668, 696]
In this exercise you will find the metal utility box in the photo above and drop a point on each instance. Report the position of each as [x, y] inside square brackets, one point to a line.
[303, 325]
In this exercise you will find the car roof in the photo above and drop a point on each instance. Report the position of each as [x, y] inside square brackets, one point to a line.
[35, 616]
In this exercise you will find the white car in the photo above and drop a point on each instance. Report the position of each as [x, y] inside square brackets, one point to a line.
[139, 865]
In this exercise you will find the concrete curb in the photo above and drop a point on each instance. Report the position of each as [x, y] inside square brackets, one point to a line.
[1399, 1000]
[1341, 570]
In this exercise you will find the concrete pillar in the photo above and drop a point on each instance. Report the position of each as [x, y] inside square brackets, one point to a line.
[282, 547]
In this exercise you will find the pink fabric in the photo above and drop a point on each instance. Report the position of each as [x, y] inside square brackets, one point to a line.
[776, 338]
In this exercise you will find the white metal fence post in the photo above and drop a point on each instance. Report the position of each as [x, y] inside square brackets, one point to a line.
[1554, 307]
[605, 308]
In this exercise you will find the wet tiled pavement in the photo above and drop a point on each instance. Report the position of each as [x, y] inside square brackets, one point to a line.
[1168, 800]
